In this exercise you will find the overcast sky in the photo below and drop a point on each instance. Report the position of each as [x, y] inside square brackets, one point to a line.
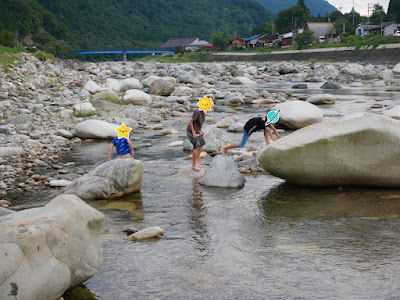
[361, 6]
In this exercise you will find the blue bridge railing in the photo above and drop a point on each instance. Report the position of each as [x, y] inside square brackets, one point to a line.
[123, 51]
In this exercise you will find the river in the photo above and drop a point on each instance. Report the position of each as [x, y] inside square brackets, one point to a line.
[269, 240]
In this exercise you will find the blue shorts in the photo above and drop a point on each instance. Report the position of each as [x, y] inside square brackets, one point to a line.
[244, 139]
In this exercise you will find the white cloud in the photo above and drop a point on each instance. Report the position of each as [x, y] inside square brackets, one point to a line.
[361, 6]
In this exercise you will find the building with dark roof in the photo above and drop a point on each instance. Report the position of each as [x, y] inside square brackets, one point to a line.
[323, 32]
[171, 44]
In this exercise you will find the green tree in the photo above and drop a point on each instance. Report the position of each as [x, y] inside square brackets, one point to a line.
[378, 14]
[293, 17]
[303, 39]
[393, 13]
[220, 40]
[180, 49]
[345, 24]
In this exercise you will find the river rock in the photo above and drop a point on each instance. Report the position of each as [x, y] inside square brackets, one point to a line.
[113, 84]
[396, 68]
[149, 80]
[145, 234]
[64, 133]
[112, 179]
[161, 87]
[92, 87]
[48, 250]
[186, 78]
[11, 151]
[3, 212]
[394, 112]
[84, 107]
[236, 127]
[215, 138]
[300, 86]
[223, 172]
[339, 153]
[329, 85]
[96, 129]
[297, 114]
[59, 183]
[130, 84]
[243, 80]
[188, 172]
[137, 97]
[225, 122]
[321, 99]
[108, 95]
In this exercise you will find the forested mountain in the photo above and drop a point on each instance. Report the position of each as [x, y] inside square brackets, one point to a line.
[316, 7]
[144, 23]
[27, 19]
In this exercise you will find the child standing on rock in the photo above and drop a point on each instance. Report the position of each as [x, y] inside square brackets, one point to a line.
[195, 136]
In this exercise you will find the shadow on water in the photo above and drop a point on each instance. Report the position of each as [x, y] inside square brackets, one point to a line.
[290, 201]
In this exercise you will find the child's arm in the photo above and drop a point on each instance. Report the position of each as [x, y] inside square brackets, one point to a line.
[130, 146]
[109, 151]
[275, 131]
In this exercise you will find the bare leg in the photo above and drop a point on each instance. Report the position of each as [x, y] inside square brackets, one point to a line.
[196, 154]
[270, 134]
[223, 150]
[266, 137]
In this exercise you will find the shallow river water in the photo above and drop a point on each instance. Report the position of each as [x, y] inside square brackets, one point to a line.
[269, 240]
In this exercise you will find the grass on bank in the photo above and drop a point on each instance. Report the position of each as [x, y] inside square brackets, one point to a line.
[9, 56]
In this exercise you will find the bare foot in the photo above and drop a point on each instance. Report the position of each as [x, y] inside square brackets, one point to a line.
[223, 150]
[196, 168]
[5, 203]
[199, 166]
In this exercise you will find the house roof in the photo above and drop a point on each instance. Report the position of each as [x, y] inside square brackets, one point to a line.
[174, 42]
[286, 35]
[370, 26]
[253, 37]
[320, 28]
[236, 38]
[198, 43]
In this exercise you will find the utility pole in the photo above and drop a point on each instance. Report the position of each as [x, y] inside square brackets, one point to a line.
[368, 19]
[344, 27]
[353, 12]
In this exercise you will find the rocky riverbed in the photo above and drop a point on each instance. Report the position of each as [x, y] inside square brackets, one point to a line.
[56, 121]
[42, 102]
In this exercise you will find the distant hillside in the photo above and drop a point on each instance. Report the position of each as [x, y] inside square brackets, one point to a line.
[144, 23]
[27, 19]
[316, 7]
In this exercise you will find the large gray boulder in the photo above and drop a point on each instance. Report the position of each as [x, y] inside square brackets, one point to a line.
[297, 114]
[161, 87]
[223, 172]
[112, 179]
[359, 151]
[215, 138]
[48, 250]
[96, 129]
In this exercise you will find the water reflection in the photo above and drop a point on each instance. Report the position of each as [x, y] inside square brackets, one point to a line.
[309, 203]
[197, 221]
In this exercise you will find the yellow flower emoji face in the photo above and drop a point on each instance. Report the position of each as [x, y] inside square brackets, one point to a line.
[205, 104]
[123, 131]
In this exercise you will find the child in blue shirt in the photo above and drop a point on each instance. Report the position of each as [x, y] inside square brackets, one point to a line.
[123, 146]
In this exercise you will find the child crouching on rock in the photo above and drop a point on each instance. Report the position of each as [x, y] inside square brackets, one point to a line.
[251, 126]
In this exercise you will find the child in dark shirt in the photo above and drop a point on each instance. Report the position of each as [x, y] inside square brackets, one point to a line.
[251, 126]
